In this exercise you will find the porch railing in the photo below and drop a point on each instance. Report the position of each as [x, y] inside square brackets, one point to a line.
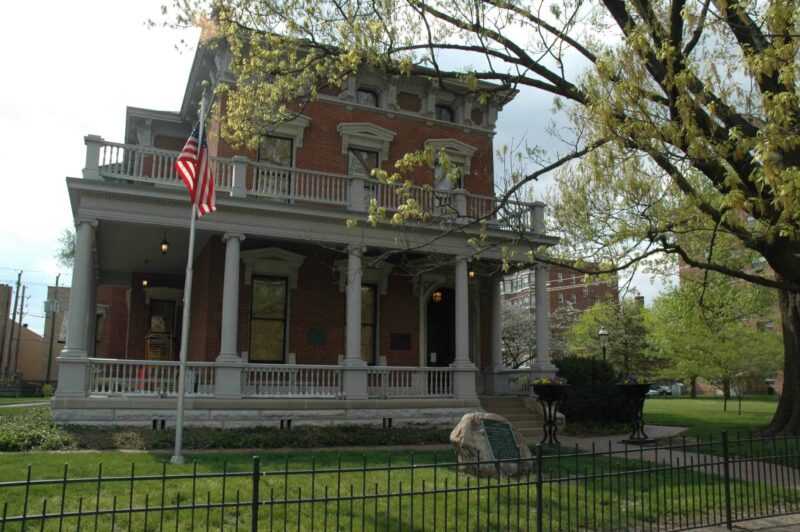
[259, 380]
[241, 177]
[148, 377]
[511, 382]
[388, 382]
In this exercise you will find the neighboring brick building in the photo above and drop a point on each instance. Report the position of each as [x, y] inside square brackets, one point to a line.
[563, 286]
[292, 310]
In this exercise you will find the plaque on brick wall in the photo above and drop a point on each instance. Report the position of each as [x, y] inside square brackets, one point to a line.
[400, 342]
[317, 337]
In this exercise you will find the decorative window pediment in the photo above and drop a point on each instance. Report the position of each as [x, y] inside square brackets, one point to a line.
[378, 275]
[272, 261]
[366, 135]
[460, 153]
[293, 129]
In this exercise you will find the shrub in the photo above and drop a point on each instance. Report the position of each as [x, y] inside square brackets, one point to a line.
[593, 394]
[33, 430]
[48, 390]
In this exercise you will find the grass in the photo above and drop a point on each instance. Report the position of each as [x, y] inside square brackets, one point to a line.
[705, 415]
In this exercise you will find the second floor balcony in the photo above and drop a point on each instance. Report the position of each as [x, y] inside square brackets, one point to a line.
[243, 178]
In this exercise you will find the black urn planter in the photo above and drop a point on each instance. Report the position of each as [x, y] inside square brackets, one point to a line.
[549, 395]
[635, 395]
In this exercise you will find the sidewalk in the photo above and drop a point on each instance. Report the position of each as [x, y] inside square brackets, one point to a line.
[744, 469]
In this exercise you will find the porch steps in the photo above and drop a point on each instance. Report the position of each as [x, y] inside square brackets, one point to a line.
[526, 421]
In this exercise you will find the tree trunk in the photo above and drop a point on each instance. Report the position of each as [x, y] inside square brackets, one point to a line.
[787, 416]
[693, 387]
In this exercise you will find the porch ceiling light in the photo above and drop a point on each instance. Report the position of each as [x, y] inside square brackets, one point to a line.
[437, 296]
[164, 244]
[472, 274]
[145, 282]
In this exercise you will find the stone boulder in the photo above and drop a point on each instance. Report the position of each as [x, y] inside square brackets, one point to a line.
[470, 442]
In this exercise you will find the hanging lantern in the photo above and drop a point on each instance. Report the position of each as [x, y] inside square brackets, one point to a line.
[164, 244]
[472, 274]
[437, 296]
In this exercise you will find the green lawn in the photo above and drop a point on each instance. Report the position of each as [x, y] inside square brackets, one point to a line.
[625, 492]
[704, 415]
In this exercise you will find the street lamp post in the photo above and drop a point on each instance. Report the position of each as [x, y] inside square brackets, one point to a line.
[603, 335]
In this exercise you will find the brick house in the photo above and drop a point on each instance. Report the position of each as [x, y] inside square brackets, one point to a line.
[294, 314]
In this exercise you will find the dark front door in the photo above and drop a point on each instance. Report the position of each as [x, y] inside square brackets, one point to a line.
[441, 348]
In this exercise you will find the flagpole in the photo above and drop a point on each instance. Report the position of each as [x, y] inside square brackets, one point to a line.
[177, 456]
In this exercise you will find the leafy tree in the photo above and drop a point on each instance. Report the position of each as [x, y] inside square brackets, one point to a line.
[707, 328]
[562, 319]
[519, 336]
[65, 255]
[682, 113]
[519, 333]
[627, 338]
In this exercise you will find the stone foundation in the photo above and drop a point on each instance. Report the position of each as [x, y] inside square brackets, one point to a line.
[238, 413]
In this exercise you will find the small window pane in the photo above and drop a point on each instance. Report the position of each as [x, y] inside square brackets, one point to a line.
[269, 298]
[368, 343]
[368, 304]
[444, 113]
[361, 162]
[449, 180]
[275, 150]
[266, 341]
[367, 97]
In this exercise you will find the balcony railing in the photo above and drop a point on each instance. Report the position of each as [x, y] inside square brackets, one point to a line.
[241, 178]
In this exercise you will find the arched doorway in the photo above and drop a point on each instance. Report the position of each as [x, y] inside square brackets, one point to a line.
[441, 328]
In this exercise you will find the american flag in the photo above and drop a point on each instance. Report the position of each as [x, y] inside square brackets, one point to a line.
[189, 166]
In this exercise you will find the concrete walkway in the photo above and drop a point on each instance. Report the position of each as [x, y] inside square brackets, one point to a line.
[745, 469]
[29, 403]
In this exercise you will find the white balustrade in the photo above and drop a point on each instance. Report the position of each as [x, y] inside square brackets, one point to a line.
[138, 163]
[222, 171]
[291, 381]
[299, 185]
[148, 377]
[512, 382]
[294, 185]
[390, 382]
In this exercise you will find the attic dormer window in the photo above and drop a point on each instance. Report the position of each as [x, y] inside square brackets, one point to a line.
[445, 113]
[367, 97]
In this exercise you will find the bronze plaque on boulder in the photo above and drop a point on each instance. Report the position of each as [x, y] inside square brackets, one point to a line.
[501, 439]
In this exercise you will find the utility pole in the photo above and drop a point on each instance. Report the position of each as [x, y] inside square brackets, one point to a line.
[53, 313]
[19, 328]
[13, 320]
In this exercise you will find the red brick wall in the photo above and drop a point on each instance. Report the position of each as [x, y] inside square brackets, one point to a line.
[317, 304]
[322, 143]
[111, 343]
[399, 313]
[207, 281]
[409, 102]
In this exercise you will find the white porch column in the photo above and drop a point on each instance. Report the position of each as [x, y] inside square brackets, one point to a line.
[228, 373]
[497, 322]
[543, 364]
[493, 378]
[73, 376]
[355, 368]
[464, 370]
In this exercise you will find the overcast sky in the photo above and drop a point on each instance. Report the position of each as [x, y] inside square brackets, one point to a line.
[71, 73]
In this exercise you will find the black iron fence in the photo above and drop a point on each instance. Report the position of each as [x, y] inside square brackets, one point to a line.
[674, 486]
